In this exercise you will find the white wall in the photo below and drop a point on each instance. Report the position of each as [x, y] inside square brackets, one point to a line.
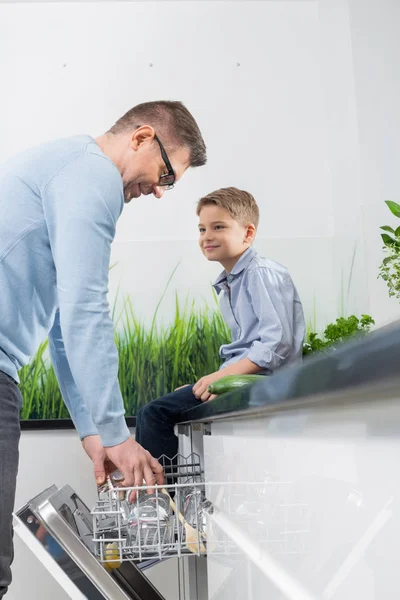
[288, 124]
[343, 146]
[264, 123]
[375, 27]
[360, 58]
[295, 124]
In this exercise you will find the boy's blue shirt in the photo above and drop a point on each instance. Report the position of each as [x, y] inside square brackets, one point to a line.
[262, 309]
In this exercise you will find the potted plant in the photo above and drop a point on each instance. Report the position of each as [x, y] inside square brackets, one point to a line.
[389, 270]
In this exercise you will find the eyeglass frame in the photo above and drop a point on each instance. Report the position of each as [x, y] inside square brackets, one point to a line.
[171, 172]
[164, 156]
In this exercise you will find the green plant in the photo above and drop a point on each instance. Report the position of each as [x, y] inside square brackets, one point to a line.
[389, 269]
[342, 329]
[152, 361]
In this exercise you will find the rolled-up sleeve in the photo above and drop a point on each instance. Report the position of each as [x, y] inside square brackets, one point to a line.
[272, 296]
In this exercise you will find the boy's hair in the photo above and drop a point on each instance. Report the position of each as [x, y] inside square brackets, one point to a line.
[239, 204]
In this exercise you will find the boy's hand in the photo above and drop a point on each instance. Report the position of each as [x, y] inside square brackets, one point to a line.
[201, 387]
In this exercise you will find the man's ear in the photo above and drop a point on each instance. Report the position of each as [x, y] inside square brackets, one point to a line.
[141, 135]
[250, 233]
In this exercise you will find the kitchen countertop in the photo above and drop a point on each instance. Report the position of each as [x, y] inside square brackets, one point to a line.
[367, 362]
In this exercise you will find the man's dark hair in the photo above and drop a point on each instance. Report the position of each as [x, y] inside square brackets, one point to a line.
[173, 124]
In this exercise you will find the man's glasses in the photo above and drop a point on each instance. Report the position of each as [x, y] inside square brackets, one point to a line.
[168, 179]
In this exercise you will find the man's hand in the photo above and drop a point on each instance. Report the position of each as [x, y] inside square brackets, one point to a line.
[101, 463]
[136, 464]
[200, 388]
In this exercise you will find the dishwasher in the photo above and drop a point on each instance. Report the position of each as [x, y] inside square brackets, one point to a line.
[104, 552]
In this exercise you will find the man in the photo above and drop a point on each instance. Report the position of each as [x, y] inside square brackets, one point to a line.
[59, 204]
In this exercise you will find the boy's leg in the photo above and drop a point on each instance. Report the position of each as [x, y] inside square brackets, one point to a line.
[10, 404]
[155, 421]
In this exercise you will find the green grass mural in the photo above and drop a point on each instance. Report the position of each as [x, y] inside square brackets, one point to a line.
[155, 360]
[152, 361]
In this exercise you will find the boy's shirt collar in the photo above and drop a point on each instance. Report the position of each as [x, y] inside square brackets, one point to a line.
[240, 266]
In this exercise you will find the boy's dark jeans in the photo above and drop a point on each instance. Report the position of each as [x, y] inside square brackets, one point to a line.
[155, 421]
[10, 404]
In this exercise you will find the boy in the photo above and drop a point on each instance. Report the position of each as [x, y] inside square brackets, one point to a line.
[258, 301]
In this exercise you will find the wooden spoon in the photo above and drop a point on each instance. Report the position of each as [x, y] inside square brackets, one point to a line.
[192, 538]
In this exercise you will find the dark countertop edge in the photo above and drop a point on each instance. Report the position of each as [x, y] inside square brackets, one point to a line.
[363, 363]
[344, 397]
[57, 424]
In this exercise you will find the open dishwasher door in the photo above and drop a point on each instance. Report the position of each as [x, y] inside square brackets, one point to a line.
[57, 526]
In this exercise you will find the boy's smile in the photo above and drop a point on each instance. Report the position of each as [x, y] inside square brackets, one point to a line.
[222, 238]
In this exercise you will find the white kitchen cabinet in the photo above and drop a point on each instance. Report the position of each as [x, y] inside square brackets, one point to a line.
[326, 511]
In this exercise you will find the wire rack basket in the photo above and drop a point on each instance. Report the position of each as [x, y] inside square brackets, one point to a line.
[139, 523]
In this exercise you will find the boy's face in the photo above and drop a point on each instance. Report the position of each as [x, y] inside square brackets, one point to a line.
[221, 237]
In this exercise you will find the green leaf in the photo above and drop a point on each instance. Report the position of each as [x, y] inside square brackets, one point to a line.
[394, 207]
[387, 240]
[388, 259]
[387, 228]
[397, 232]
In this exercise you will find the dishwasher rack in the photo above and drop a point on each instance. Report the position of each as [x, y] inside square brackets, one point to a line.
[122, 531]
